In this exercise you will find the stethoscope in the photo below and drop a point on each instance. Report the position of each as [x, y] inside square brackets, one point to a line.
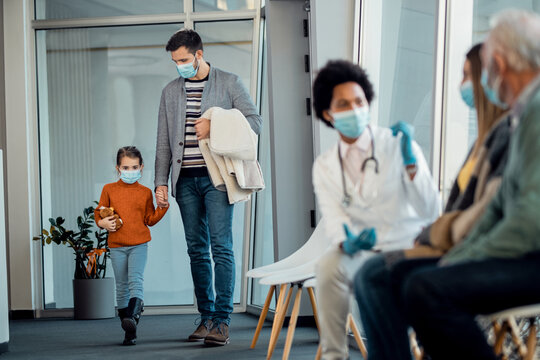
[346, 200]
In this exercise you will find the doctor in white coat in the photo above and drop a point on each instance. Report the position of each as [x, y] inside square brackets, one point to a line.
[374, 189]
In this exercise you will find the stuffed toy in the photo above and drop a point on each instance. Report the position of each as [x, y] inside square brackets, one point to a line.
[109, 211]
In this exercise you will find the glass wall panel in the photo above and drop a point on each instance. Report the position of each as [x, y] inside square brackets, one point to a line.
[400, 62]
[68, 9]
[224, 5]
[99, 89]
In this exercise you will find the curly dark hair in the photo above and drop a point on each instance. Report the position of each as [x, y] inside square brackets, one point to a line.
[337, 72]
[185, 37]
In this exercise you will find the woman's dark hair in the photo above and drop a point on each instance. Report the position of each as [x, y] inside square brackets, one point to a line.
[129, 151]
[337, 72]
[185, 37]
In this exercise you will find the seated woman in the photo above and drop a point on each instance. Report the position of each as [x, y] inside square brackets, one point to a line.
[377, 282]
[373, 186]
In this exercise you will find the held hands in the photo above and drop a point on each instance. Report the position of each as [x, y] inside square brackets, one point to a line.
[363, 241]
[108, 223]
[202, 128]
[162, 196]
[407, 132]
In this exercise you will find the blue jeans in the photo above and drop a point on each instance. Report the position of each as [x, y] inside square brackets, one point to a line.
[207, 217]
[377, 289]
[128, 264]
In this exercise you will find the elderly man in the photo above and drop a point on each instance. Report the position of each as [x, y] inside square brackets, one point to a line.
[497, 264]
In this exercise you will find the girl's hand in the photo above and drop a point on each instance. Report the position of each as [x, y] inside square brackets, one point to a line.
[108, 223]
[162, 199]
[162, 196]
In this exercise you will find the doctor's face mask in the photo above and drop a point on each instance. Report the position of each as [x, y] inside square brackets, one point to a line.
[349, 110]
[351, 123]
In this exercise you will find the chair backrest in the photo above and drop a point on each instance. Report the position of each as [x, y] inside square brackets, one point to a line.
[521, 312]
[316, 245]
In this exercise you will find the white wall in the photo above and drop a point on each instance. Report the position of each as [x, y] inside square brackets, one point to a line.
[290, 126]
[330, 40]
[4, 310]
[22, 161]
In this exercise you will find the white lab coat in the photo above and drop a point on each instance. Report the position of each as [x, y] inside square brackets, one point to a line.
[400, 208]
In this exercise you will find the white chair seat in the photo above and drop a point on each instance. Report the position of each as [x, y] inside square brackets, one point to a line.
[310, 283]
[312, 249]
[293, 275]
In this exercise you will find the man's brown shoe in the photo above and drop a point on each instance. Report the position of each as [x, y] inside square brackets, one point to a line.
[219, 335]
[202, 331]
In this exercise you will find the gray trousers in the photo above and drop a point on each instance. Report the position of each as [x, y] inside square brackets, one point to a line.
[335, 273]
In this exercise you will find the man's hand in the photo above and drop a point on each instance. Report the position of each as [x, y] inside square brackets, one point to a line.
[202, 128]
[108, 223]
[363, 241]
[162, 196]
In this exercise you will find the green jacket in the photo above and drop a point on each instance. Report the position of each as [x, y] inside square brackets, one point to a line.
[510, 226]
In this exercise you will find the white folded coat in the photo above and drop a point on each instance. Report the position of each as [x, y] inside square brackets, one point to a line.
[231, 154]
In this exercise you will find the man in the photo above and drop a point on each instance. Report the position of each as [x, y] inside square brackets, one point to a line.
[373, 186]
[206, 212]
[496, 265]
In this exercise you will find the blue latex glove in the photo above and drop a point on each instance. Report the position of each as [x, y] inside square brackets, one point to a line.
[407, 132]
[364, 241]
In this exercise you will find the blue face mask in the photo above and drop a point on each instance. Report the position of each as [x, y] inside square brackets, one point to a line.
[351, 123]
[187, 71]
[130, 177]
[491, 93]
[467, 93]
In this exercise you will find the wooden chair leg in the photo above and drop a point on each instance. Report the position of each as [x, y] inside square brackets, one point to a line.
[314, 307]
[500, 332]
[515, 333]
[531, 340]
[319, 352]
[281, 297]
[417, 351]
[279, 304]
[292, 324]
[264, 312]
[357, 336]
[278, 322]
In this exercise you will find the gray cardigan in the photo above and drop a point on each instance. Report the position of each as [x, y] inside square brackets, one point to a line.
[223, 89]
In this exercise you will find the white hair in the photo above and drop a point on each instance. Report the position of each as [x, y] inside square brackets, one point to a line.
[515, 35]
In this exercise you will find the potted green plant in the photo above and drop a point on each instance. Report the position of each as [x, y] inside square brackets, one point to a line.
[93, 293]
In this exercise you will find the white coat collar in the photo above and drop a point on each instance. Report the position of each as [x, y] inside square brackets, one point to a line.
[363, 142]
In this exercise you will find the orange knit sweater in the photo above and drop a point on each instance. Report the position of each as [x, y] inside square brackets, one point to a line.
[135, 206]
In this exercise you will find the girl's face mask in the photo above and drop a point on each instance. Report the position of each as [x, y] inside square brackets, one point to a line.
[130, 176]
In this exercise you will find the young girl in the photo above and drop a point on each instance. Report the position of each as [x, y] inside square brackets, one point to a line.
[134, 204]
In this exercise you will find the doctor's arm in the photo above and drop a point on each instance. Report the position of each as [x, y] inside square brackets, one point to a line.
[420, 189]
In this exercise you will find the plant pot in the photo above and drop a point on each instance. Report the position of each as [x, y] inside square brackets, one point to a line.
[93, 298]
